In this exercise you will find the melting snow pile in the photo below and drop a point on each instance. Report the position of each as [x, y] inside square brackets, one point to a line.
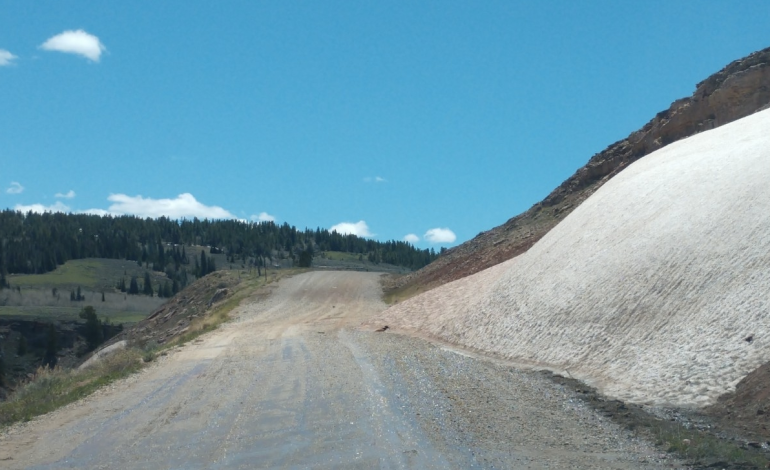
[656, 289]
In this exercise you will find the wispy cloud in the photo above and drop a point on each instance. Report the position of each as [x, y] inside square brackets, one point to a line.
[440, 235]
[348, 228]
[15, 188]
[411, 238]
[263, 217]
[6, 58]
[76, 42]
[68, 195]
[40, 208]
[184, 205]
[375, 179]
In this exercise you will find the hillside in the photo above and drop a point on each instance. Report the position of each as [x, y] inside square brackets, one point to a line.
[654, 289]
[35, 243]
[736, 91]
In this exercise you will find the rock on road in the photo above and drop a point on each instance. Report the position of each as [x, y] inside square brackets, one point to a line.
[291, 383]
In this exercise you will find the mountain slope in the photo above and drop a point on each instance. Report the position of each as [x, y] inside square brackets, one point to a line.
[736, 91]
[654, 289]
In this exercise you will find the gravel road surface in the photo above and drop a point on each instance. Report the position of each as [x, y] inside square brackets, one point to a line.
[292, 383]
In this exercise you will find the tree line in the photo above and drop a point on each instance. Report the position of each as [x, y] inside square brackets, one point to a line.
[32, 243]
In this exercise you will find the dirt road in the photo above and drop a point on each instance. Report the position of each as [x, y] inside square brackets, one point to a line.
[292, 384]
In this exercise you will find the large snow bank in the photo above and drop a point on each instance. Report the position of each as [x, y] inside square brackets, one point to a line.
[656, 289]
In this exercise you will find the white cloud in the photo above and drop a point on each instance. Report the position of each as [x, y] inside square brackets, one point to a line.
[76, 42]
[15, 188]
[348, 228]
[411, 238]
[376, 179]
[263, 217]
[440, 235]
[185, 205]
[68, 195]
[6, 58]
[39, 208]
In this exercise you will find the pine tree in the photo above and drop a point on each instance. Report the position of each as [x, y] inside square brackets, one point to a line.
[94, 333]
[305, 259]
[3, 271]
[133, 288]
[161, 258]
[148, 285]
[204, 269]
[51, 346]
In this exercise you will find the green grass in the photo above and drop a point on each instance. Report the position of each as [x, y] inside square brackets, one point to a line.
[43, 313]
[704, 448]
[82, 272]
[340, 256]
[95, 274]
[53, 388]
[46, 297]
[40, 313]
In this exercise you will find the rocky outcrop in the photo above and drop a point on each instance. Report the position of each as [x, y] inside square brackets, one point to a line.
[736, 91]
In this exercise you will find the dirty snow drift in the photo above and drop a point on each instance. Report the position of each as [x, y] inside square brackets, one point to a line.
[656, 289]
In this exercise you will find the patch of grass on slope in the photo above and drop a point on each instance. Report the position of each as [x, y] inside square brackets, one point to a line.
[96, 274]
[50, 389]
[704, 448]
[81, 272]
[53, 388]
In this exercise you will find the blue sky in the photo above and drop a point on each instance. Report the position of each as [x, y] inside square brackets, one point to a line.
[394, 118]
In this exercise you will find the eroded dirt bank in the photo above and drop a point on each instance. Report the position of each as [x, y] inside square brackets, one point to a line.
[292, 384]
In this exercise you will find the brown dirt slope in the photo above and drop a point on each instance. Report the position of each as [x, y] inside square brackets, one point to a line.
[175, 317]
[747, 410]
[736, 91]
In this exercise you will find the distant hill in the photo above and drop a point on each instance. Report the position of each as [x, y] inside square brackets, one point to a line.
[736, 91]
[34, 243]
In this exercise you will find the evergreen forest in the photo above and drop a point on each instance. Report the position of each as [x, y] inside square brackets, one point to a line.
[32, 243]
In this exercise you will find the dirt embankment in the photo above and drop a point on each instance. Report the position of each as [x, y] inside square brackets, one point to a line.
[736, 91]
[746, 412]
[191, 306]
